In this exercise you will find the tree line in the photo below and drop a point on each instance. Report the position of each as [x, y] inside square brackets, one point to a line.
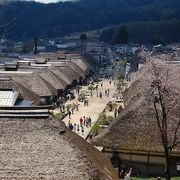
[59, 19]
[156, 32]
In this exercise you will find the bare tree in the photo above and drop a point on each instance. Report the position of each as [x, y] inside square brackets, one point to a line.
[164, 94]
[4, 26]
[160, 93]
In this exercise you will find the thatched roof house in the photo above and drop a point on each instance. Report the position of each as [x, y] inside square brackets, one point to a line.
[33, 88]
[135, 129]
[135, 137]
[44, 149]
[53, 82]
[75, 68]
[81, 62]
[6, 83]
[134, 134]
[69, 73]
[40, 86]
[41, 82]
[57, 71]
[30, 87]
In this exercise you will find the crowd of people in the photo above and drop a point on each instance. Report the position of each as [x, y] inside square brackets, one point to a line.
[84, 122]
[79, 128]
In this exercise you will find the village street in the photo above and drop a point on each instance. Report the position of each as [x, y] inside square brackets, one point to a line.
[94, 109]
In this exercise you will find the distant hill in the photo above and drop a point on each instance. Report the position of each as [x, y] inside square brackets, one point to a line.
[146, 32]
[56, 20]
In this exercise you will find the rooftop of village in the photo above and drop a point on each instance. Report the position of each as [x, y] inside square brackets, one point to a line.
[45, 96]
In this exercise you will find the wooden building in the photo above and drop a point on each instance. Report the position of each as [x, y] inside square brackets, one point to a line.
[40, 83]
[134, 140]
[35, 145]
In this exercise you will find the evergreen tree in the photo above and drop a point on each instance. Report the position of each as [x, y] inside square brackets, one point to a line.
[158, 40]
[35, 44]
[122, 36]
[83, 37]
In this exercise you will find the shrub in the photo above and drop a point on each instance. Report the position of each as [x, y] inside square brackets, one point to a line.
[91, 87]
[105, 120]
[95, 130]
[60, 115]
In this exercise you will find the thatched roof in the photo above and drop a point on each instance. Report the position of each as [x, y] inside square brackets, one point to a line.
[52, 79]
[75, 68]
[53, 56]
[57, 71]
[6, 83]
[136, 127]
[140, 84]
[136, 90]
[69, 73]
[44, 149]
[82, 63]
[37, 81]
[32, 82]
[30, 86]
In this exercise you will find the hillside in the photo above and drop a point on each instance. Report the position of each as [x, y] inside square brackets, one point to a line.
[146, 32]
[55, 20]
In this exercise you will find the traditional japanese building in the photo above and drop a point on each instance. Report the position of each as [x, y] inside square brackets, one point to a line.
[39, 80]
[134, 139]
[35, 145]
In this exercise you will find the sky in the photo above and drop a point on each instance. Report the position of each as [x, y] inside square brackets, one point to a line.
[49, 1]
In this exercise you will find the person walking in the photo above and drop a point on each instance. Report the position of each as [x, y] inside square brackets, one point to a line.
[74, 127]
[108, 91]
[77, 107]
[78, 90]
[89, 121]
[96, 88]
[60, 107]
[67, 108]
[84, 120]
[120, 109]
[82, 130]
[69, 113]
[100, 95]
[105, 92]
[115, 112]
[72, 110]
[84, 102]
[91, 94]
[71, 126]
[78, 129]
[87, 102]
[57, 102]
[63, 107]
[110, 83]
[81, 121]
